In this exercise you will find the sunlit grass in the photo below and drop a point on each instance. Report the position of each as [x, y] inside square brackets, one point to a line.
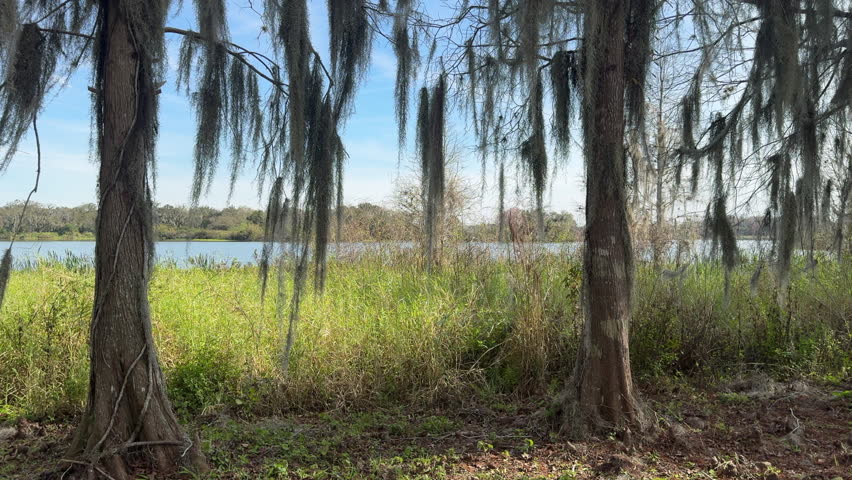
[386, 331]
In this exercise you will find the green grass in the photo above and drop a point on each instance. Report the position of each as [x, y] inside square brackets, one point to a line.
[49, 237]
[386, 332]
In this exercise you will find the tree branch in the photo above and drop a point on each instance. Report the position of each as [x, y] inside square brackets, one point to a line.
[235, 54]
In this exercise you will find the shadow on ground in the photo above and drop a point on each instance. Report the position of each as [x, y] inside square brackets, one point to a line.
[753, 428]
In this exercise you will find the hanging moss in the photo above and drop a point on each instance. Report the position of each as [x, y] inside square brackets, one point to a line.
[717, 157]
[690, 114]
[529, 16]
[406, 61]
[244, 108]
[186, 63]
[495, 31]
[776, 58]
[321, 186]
[786, 239]
[291, 21]
[637, 54]
[28, 72]
[350, 39]
[501, 209]
[825, 212]
[8, 25]
[273, 231]
[211, 20]
[211, 110]
[5, 271]
[431, 121]
[809, 142]
[534, 151]
[470, 58]
[718, 229]
[843, 94]
[563, 81]
[777, 180]
[488, 79]
[339, 159]
[310, 155]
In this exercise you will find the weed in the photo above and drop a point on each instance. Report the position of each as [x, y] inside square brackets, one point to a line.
[386, 333]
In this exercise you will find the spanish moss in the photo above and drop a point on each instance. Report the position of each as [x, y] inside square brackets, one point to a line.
[5, 271]
[564, 78]
[8, 25]
[534, 152]
[786, 239]
[211, 106]
[501, 204]
[430, 140]
[406, 61]
[529, 17]
[718, 229]
[637, 55]
[350, 41]
[273, 231]
[28, 72]
[825, 204]
[290, 20]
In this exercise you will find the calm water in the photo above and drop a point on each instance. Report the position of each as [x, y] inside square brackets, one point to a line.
[242, 252]
[179, 252]
[247, 252]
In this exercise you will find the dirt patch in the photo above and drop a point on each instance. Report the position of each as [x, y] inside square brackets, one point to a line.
[782, 431]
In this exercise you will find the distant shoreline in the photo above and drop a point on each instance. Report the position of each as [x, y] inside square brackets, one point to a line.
[49, 238]
[31, 238]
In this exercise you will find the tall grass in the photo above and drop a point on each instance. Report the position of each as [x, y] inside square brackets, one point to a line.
[386, 331]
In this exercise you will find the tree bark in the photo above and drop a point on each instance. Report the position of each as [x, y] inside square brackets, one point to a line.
[128, 420]
[602, 397]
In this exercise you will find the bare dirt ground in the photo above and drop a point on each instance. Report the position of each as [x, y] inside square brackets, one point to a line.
[751, 429]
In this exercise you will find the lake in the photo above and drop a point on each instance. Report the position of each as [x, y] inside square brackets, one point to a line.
[247, 252]
[182, 253]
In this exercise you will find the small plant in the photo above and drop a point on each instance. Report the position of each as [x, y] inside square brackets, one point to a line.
[732, 398]
[484, 446]
[527, 446]
[279, 470]
[437, 425]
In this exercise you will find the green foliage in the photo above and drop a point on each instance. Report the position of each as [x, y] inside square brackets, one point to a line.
[387, 333]
[684, 325]
[364, 222]
[437, 425]
[733, 398]
[203, 378]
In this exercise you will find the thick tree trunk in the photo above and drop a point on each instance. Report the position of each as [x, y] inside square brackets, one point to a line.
[128, 418]
[602, 396]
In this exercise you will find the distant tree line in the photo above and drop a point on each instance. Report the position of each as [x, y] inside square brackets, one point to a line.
[365, 222]
[46, 222]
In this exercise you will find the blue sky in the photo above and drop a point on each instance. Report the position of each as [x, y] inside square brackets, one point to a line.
[69, 176]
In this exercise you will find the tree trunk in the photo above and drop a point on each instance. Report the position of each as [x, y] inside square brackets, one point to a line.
[128, 420]
[602, 397]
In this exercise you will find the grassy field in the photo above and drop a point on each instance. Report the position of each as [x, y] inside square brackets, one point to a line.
[385, 332]
[399, 374]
